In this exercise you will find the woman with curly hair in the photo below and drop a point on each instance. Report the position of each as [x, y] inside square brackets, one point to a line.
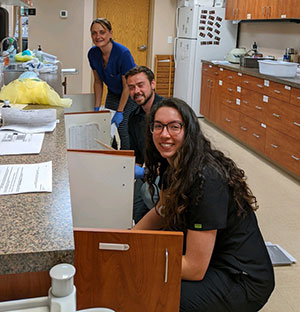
[225, 264]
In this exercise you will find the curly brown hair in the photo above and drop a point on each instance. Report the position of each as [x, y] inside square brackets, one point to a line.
[187, 164]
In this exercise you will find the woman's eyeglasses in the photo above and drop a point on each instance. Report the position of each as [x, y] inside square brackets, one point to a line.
[173, 127]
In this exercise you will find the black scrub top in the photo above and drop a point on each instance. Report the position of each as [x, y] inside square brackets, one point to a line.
[239, 247]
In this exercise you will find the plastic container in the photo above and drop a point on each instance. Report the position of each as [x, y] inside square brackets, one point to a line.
[277, 68]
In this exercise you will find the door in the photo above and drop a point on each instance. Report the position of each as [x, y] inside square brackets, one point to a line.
[130, 22]
[184, 69]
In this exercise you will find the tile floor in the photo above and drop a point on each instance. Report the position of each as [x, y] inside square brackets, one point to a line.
[278, 196]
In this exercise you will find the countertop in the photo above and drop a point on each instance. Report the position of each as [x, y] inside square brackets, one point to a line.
[293, 82]
[36, 230]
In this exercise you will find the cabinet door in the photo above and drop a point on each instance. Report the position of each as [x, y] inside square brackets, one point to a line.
[295, 96]
[215, 101]
[231, 9]
[283, 9]
[252, 105]
[283, 150]
[230, 120]
[260, 9]
[206, 87]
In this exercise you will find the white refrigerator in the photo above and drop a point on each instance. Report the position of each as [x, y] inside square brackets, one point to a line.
[202, 34]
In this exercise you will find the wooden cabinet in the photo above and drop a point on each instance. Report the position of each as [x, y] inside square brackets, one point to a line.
[236, 9]
[263, 114]
[262, 9]
[209, 92]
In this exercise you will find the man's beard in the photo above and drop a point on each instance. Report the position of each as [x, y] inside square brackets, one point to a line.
[147, 99]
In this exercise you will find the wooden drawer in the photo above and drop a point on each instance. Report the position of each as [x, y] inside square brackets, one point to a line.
[277, 90]
[252, 83]
[210, 70]
[231, 101]
[283, 117]
[231, 76]
[230, 120]
[283, 149]
[295, 97]
[252, 132]
[252, 105]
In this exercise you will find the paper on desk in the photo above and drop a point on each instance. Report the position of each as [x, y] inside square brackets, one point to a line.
[28, 121]
[26, 178]
[14, 143]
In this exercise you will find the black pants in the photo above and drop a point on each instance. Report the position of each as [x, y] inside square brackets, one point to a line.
[219, 291]
[112, 102]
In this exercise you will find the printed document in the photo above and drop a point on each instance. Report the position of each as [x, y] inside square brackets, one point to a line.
[28, 121]
[26, 178]
[14, 143]
[83, 136]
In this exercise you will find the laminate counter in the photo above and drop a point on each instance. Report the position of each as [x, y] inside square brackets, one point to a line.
[293, 82]
[36, 230]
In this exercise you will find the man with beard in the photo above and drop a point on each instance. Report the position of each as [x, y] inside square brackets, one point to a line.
[141, 85]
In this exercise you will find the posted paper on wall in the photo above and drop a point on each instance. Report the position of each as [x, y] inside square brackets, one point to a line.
[26, 178]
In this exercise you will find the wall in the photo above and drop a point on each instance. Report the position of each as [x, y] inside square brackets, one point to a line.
[272, 37]
[68, 39]
[164, 13]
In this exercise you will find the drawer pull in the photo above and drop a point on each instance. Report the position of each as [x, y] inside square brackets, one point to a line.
[205, 69]
[256, 135]
[229, 77]
[113, 246]
[229, 89]
[243, 128]
[294, 157]
[227, 119]
[244, 101]
[298, 97]
[246, 81]
[296, 124]
[258, 107]
[275, 146]
[277, 91]
[276, 115]
[228, 101]
[260, 86]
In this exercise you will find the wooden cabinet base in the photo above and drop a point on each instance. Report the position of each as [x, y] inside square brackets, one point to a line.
[24, 285]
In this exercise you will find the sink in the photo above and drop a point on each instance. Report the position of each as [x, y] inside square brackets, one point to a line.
[14, 67]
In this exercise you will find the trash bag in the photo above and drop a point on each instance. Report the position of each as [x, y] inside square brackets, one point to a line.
[32, 91]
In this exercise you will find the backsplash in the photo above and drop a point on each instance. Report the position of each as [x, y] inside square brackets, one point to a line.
[272, 38]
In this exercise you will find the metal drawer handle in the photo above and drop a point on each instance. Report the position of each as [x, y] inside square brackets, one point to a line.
[277, 91]
[244, 101]
[229, 77]
[228, 101]
[243, 128]
[166, 266]
[256, 135]
[276, 115]
[229, 89]
[298, 97]
[258, 107]
[246, 81]
[112, 246]
[296, 124]
[259, 85]
[205, 69]
[275, 146]
[294, 157]
[227, 119]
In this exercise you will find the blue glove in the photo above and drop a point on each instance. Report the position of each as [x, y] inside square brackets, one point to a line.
[138, 172]
[117, 119]
[96, 108]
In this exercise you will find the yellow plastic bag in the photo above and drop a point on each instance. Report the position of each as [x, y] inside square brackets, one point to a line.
[23, 58]
[32, 91]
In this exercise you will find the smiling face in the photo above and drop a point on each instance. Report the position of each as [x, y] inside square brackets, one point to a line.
[141, 90]
[167, 144]
[101, 36]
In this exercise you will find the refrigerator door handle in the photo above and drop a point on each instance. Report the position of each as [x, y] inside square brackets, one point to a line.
[177, 21]
[175, 50]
